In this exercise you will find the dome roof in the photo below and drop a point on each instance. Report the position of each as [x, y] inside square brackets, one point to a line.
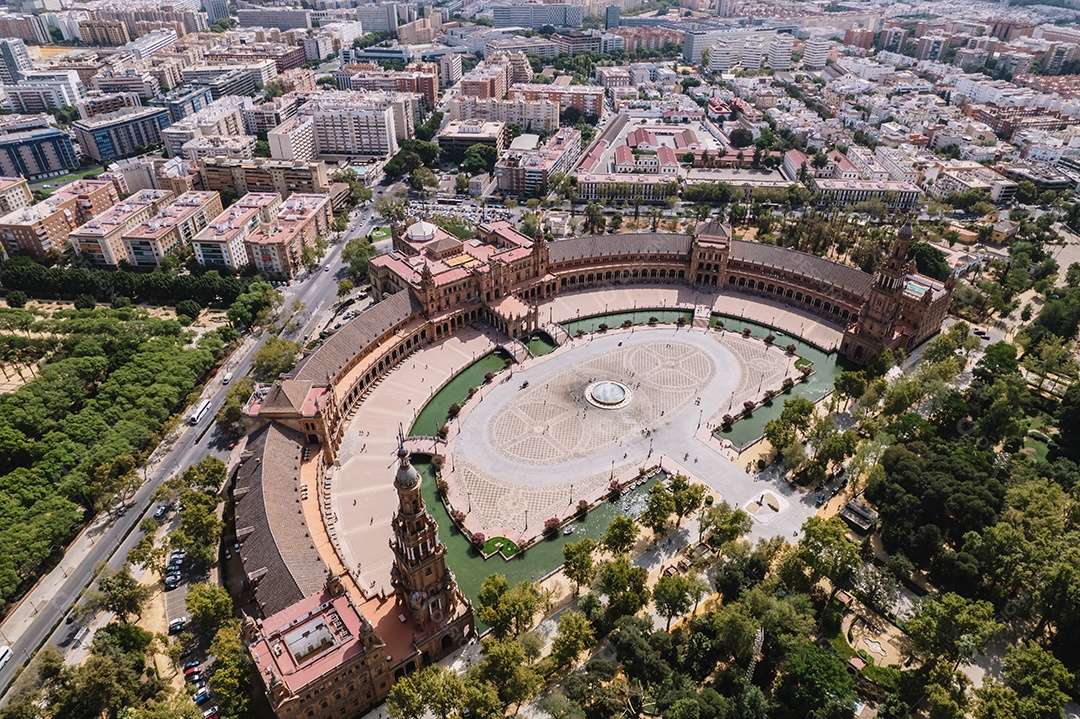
[407, 476]
[421, 231]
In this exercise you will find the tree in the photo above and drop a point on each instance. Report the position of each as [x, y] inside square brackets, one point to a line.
[574, 635]
[722, 524]
[356, 253]
[231, 673]
[741, 137]
[1026, 192]
[509, 611]
[949, 627]
[578, 562]
[118, 592]
[658, 508]
[262, 149]
[461, 183]
[188, 308]
[625, 587]
[815, 682]
[686, 496]
[621, 535]
[390, 209]
[209, 606]
[827, 551]
[594, 219]
[444, 693]
[230, 417]
[17, 298]
[1036, 685]
[480, 159]
[505, 668]
[344, 287]
[276, 357]
[421, 179]
[671, 594]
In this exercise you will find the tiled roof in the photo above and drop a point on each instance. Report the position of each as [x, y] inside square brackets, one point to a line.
[337, 351]
[285, 396]
[850, 278]
[278, 553]
[629, 244]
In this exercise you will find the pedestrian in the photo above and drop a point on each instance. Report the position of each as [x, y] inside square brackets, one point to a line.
[354, 503]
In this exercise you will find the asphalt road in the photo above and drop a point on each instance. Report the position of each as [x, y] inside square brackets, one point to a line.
[317, 291]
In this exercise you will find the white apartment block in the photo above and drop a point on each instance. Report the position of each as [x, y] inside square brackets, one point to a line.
[531, 116]
[903, 163]
[318, 48]
[780, 51]
[449, 69]
[150, 43]
[221, 243]
[221, 117]
[293, 139]
[866, 164]
[816, 53]
[352, 125]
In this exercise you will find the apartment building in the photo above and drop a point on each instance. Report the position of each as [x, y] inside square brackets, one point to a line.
[275, 248]
[31, 147]
[293, 139]
[104, 33]
[360, 125]
[229, 82]
[536, 15]
[221, 243]
[141, 83]
[418, 77]
[449, 69]
[121, 133]
[236, 146]
[102, 103]
[222, 117]
[260, 71]
[173, 227]
[262, 118]
[100, 240]
[528, 45]
[586, 99]
[486, 80]
[620, 187]
[264, 175]
[14, 193]
[866, 164]
[151, 43]
[285, 57]
[526, 172]
[460, 135]
[895, 195]
[279, 17]
[183, 102]
[537, 116]
[14, 60]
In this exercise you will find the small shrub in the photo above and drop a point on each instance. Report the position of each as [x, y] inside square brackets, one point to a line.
[726, 420]
[806, 370]
[681, 321]
[119, 303]
[16, 298]
[788, 384]
[583, 507]
[790, 349]
[437, 461]
[653, 320]
[614, 489]
[453, 410]
[746, 332]
[719, 324]
[579, 333]
[488, 376]
[472, 391]
[478, 539]
[85, 302]
[443, 431]
[551, 526]
[748, 407]
[709, 500]
[769, 394]
[603, 327]
[628, 323]
[770, 338]
[458, 516]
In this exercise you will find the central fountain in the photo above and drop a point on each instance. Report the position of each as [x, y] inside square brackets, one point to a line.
[608, 394]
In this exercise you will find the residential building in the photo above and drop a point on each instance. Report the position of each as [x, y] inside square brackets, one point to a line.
[931, 47]
[100, 104]
[526, 172]
[449, 69]
[183, 101]
[297, 79]
[221, 117]
[536, 15]
[105, 33]
[611, 17]
[892, 39]
[31, 147]
[780, 51]
[100, 240]
[636, 39]
[173, 227]
[261, 71]
[293, 139]
[41, 90]
[355, 125]
[221, 243]
[225, 82]
[264, 175]
[216, 10]
[262, 118]
[529, 45]
[151, 43]
[382, 17]
[121, 133]
[318, 48]
[586, 99]
[14, 193]
[816, 53]
[275, 249]
[577, 42]
[487, 80]
[279, 17]
[719, 57]
[419, 77]
[14, 60]
[460, 135]
[285, 57]
[42, 230]
[900, 196]
[143, 84]
[531, 116]
[860, 37]
[238, 146]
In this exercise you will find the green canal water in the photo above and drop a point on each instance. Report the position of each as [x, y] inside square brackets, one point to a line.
[638, 317]
[471, 568]
[540, 344]
[434, 413]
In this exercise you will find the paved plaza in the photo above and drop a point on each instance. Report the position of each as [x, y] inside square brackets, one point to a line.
[720, 368]
[524, 453]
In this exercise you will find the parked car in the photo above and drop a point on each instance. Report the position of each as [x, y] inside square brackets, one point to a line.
[160, 511]
[202, 696]
[197, 669]
[193, 664]
[177, 625]
[172, 581]
[196, 679]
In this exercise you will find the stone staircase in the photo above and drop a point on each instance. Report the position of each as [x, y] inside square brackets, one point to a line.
[702, 316]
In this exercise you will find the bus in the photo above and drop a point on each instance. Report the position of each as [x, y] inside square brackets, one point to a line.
[200, 412]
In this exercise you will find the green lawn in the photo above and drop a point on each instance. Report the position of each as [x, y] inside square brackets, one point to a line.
[57, 181]
[380, 233]
[500, 544]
